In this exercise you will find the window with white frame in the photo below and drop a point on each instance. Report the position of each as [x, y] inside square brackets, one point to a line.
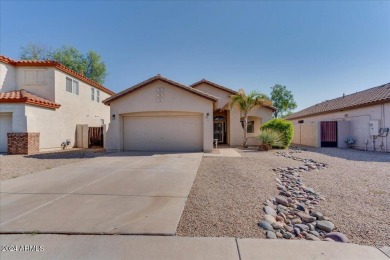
[72, 86]
[92, 94]
[97, 95]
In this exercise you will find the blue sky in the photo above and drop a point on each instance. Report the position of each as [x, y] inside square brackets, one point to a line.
[319, 50]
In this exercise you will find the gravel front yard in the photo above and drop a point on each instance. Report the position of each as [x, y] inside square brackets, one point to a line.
[12, 166]
[228, 194]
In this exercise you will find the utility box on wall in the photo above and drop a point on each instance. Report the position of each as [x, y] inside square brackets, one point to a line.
[374, 127]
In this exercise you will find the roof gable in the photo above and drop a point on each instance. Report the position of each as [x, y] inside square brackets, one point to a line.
[153, 79]
[215, 85]
[228, 90]
[372, 96]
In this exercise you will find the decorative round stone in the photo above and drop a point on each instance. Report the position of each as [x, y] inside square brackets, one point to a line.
[315, 233]
[296, 221]
[288, 235]
[302, 227]
[269, 218]
[265, 225]
[337, 236]
[325, 225]
[312, 237]
[289, 228]
[270, 211]
[282, 200]
[318, 215]
[270, 235]
[277, 225]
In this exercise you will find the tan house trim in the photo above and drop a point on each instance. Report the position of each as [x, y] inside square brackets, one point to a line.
[155, 78]
[231, 91]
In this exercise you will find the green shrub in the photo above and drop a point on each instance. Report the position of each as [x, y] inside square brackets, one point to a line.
[283, 126]
[271, 138]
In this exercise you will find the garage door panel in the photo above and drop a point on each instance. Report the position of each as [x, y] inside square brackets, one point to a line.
[169, 133]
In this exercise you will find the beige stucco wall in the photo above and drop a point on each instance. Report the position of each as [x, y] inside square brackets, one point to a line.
[7, 77]
[358, 125]
[19, 119]
[221, 94]
[260, 116]
[45, 89]
[58, 125]
[144, 100]
[235, 130]
[307, 134]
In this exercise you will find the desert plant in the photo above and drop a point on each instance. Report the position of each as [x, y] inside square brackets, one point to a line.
[271, 138]
[247, 103]
[286, 128]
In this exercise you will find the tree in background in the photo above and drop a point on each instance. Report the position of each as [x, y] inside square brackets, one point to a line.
[247, 103]
[35, 52]
[283, 100]
[90, 65]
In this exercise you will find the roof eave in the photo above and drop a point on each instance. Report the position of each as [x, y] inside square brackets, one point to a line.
[215, 85]
[57, 65]
[151, 80]
[340, 110]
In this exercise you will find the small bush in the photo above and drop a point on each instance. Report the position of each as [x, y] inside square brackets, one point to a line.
[270, 138]
[286, 128]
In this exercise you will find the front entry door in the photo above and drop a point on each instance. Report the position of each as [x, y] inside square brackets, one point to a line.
[219, 131]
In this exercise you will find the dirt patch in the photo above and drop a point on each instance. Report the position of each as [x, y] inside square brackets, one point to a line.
[12, 166]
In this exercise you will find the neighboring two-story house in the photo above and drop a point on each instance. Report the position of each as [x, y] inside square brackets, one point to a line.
[41, 102]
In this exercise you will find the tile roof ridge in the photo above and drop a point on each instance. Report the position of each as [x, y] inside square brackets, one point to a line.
[57, 65]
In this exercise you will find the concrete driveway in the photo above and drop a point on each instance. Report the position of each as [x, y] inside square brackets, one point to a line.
[123, 193]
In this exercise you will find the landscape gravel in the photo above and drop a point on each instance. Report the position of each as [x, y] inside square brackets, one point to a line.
[356, 186]
[12, 166]
[228, 194]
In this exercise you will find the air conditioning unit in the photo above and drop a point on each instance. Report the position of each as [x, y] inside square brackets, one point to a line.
[374, 127]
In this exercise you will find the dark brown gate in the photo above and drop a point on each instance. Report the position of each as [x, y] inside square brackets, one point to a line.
[329, 134]
[95, 137]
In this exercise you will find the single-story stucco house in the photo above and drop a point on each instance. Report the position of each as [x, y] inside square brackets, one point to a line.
[162, 115]
[364, 116]
[41, 104]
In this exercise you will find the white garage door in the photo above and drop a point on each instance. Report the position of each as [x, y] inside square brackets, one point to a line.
[163, 133]
[5, 127]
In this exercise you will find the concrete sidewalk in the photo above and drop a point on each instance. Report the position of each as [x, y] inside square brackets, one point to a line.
[172, 247]
[223, 152]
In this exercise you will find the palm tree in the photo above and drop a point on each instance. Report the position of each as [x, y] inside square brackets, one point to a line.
[247, 103]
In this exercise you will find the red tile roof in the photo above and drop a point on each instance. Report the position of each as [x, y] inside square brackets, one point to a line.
[159, 77]
[22, 96]
[368, 97]
[57, 65]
